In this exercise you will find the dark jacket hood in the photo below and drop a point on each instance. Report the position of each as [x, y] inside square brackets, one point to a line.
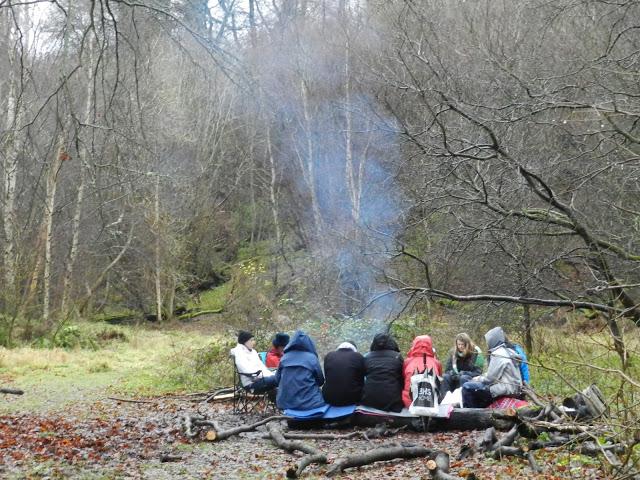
[384, 341]
[494, 338]
[300, 342]
[422, 345]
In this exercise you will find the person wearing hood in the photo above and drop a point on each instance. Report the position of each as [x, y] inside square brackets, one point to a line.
[464, 362]
[300, 375]
[254, 375]
[383, 375]
[421, 357]
[503, 374]
[344, 372]
[275, 354]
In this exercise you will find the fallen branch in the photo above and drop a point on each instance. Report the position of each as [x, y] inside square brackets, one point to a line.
[506, 451]
[313, 455]
[571, 429]
[319, 436]
[131, 400]
[225, 393]
[529, 392]
[12, 391]
[593, 449]
[506, 440]
[377, 455]
[381, 431]
[488, 439]
[193, 423]
[532, 462]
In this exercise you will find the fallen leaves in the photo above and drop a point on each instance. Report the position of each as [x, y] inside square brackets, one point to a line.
[55, 438]
[133, 438]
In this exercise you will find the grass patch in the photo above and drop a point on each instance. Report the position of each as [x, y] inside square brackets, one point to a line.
[569, 360]
[214, 299]
[150, 362]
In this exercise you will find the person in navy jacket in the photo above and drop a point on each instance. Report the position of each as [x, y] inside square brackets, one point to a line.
[300, 375]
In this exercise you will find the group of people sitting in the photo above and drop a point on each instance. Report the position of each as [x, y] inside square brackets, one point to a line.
[381, 379]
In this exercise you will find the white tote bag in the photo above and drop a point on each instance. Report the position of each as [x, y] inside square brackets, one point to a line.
[424, 392]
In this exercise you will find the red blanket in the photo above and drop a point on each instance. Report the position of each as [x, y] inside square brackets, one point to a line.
[508, 402]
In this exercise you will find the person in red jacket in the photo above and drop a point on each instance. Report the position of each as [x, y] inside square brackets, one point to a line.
[275, 354]
[421, 357]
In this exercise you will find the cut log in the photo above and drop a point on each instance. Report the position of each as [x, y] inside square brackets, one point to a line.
[378, 455]
[461, 419]
[590, 403]
[439, 467]
[11, 391]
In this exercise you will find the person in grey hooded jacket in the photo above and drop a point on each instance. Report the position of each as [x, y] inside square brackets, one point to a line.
[502, 377]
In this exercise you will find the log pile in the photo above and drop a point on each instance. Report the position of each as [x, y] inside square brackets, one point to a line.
[197, 425]
[552, 427]
[530, 429]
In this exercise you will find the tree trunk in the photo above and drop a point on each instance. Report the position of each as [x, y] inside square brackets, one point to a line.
[52, 186]
[274, 204]
[10, 166]
[158, 258]
[308, 166]
[75, 240]
[528, 338]
[84, 162]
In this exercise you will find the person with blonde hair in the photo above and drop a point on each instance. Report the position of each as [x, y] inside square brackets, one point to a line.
[465, 361]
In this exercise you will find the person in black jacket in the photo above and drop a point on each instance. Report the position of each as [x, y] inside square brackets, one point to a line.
[344, 375]
[383, 370]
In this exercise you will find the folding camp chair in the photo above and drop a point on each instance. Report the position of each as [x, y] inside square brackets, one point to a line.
[244, 400]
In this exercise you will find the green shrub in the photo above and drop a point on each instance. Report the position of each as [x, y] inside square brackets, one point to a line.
[202, 368]
[84, 336]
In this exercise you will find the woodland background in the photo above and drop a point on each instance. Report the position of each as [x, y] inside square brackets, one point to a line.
[191, 167]
[361, 158]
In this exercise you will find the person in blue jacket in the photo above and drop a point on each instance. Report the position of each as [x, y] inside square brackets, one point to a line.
[523, 365]
[300, 375]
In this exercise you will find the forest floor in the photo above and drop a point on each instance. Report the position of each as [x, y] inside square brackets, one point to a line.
[70, 424]
[101, 438]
